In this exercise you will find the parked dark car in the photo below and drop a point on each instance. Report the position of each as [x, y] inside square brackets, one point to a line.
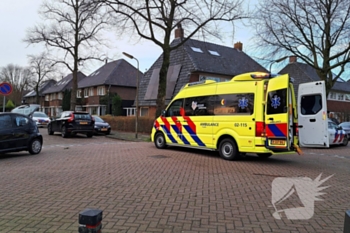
[71, 123]
[346, 127]
[19, 132]
[101, 127]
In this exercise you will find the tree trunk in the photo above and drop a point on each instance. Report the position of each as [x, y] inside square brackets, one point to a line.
[163, 81]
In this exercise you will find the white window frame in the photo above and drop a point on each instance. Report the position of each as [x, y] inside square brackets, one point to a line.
[91, 91]
[86, 92]
[144, 111]
[47, 97]
[340, 96]
[332, 95]
[79, 93]
[101, 90]
[60, 96]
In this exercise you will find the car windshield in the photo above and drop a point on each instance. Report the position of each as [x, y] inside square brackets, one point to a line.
[98, 119]
[39, 114]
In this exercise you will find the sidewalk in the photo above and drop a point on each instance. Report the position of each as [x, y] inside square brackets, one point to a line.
[130, 136]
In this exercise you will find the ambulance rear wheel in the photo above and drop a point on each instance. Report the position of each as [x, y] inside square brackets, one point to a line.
[159, 140]
[264, 155]
[228, 149]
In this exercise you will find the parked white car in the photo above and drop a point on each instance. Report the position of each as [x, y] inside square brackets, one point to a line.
[41, 119]
[337, 136]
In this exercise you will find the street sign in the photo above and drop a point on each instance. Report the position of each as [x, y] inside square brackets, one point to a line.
[5, 88]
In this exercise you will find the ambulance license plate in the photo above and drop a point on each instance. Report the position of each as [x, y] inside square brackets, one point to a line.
[278, 142]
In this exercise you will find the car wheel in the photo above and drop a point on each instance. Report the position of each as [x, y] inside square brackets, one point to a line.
[228, 149]
[64, 132]
[264, 155]
[89, 135]
[35, 146]
[49, 130]
[345, 141]
[159, 140]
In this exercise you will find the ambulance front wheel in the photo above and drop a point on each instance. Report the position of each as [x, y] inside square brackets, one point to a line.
[228, 149]
[159, 140]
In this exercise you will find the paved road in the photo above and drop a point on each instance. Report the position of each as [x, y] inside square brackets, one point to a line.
[143, 189]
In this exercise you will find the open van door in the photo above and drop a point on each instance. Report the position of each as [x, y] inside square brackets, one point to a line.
[277, 114]
[312, 115]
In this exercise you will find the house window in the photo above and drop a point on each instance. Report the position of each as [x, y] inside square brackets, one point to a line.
[130, 111]
[215, 53]
[60, 95]
[53, 96]
[195, 49]
[91, 91]
[78, 93]
[143, 111]
[86, 92]
[347, 97]
[101, 91]
[332, 96]
[47, 97]
[340, 96]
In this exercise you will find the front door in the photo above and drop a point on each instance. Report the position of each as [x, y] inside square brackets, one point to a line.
[277, 118]
[312, 115]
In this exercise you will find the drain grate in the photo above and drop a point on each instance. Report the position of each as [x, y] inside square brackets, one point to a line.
[159, 156]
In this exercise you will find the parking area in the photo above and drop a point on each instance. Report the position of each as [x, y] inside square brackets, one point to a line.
[143, 189]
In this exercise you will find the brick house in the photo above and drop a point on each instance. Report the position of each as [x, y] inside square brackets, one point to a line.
[54, 94]
[193, 61]
[30, 97]
[338, 100]
[116, 77]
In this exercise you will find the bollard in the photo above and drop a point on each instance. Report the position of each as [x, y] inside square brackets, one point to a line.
[90, 221]
[347, 222]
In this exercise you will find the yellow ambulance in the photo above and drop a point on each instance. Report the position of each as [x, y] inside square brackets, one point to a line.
[252, 113]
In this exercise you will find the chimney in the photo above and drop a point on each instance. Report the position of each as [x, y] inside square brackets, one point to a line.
[179, 31]
[292, 59]
[238, 46]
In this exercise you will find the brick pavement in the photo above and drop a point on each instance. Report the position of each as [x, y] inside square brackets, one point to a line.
[143, 189]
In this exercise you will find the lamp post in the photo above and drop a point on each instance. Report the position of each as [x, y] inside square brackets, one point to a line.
[277, 61]
[137, 93]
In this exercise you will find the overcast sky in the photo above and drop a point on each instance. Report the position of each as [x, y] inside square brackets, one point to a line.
[16, 16]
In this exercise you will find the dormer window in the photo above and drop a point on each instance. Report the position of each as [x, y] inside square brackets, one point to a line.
[198, 50]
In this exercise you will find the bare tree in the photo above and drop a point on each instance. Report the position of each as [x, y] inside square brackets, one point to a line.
[19, 78]
[316, 31]
[74, 28]
[154, 20]
[41, 67]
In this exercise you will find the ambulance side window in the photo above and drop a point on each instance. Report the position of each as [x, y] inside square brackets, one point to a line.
[174, 109]
[311, 104]
[198, 106]
[234, 104]
[277, 102]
